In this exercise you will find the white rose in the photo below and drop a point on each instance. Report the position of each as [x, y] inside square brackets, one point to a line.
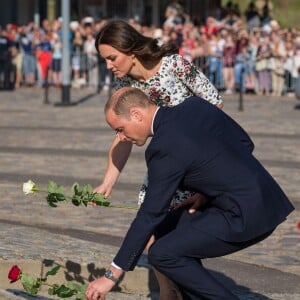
[28, 187]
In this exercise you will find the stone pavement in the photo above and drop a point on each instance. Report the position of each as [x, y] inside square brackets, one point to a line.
[66, 144]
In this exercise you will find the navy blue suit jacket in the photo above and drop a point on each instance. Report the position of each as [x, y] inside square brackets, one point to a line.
[198, 147]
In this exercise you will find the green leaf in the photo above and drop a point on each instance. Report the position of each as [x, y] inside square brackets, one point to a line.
[53, 271]
[53, 198]
[76, 200]
[52, 290]
[100, 200]
[81, 292]
[99, 197]
[53, 187]
[87, 189]
[30, 285]
[76, 189]
[74, 286]
[63, 291]
[85, 201]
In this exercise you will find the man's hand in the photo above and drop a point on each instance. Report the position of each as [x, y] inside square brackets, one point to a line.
[98, 288]
[196, 202]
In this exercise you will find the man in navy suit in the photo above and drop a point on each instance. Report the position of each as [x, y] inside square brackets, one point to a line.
[197, 147]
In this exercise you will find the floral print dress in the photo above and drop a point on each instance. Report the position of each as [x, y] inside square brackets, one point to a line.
[176, 80]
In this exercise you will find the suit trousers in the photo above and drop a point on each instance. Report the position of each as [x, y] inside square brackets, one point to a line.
[178, 254]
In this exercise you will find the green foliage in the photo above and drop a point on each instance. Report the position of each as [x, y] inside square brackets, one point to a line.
[53, 271]
[70, 289]
[81, 195]
[62, 291]
[54, 188]
[30, 285]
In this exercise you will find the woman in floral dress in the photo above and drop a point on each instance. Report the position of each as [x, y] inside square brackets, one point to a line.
[166, 77]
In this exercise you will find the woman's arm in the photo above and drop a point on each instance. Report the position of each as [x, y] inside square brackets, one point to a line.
[117, 157]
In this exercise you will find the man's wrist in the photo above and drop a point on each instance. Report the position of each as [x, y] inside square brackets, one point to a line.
[109, 275]
[114, 273]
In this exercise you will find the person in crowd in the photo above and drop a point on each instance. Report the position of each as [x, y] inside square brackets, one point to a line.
[228, 60]
[105, 76]
[241, 57]
[201, 52]
[252, 17]
[43, 53]
[29, 64]
[174, 15]
[77, 60]
[288, 64]
[276, 64]
[215, 64]
[16, 56]
[211, 26]
[92, 60]
[195, 146]
[165, 76]
[262, 66]
[252, 83]
[56, 60]
[187, 45]
[5, 59]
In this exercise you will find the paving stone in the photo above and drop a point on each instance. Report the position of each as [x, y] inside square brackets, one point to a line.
[67, 144]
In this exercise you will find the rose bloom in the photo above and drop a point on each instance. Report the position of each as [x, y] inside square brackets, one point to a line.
[14, 274]
[28, 187]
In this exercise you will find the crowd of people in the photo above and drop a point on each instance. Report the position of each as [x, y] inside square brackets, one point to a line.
[247, 51]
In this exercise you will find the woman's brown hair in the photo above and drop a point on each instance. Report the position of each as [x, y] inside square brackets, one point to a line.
[126, 39]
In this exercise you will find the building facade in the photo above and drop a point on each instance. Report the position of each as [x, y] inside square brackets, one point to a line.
[145, 11]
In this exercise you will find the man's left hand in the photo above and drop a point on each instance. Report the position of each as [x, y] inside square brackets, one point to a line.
[98, 288]
[195, 202]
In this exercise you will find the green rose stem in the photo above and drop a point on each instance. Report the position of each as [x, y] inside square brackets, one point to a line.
[33, 285]
[55, 193]
[81, 195]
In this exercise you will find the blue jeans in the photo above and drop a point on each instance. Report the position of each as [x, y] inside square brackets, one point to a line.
[239, 75]
[215, 70]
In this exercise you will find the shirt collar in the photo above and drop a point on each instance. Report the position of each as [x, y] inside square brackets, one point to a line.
[154, 115]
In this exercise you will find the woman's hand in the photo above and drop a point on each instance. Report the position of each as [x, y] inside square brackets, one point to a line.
[104, 189]
[195, 202]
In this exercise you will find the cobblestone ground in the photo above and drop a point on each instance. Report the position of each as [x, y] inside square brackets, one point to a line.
[68, 144]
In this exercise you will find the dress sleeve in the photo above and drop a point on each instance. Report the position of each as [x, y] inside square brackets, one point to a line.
[195, 80]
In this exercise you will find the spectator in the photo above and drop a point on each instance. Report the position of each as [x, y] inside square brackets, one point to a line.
[211, 26]
[43, 56]
[78, 61]
[288, 65]
[215, 60]
[56, 60]
[252, 17]
[16, 57]
[262, 66]
[29, 65]
[228, 61]
[276, 64]
[5, 60]
[241, 57]
[92, 60]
